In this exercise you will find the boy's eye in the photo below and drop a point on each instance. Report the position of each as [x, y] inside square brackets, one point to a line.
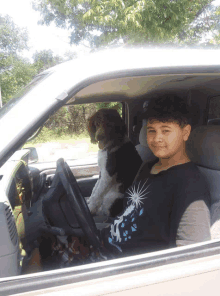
[150, 131]
[166, 131]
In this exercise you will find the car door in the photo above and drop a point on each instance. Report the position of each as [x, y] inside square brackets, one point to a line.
[189, 270]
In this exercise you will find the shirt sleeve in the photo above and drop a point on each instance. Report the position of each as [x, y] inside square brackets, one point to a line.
[194, 225]
[190, 217]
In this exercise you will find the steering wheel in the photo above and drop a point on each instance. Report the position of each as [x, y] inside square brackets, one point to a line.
[78, 203]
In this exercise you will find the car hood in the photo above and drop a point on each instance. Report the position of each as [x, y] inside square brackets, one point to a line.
[62, 82]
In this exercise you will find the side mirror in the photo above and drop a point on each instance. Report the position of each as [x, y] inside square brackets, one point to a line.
[32, 156]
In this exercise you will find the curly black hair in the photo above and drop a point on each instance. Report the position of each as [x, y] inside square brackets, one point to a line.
[169, 107]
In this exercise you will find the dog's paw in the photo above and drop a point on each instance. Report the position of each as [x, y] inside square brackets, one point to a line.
[105, 212]
[92, 208]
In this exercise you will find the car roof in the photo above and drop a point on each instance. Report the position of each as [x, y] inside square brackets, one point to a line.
[128, 71]
[140, 57]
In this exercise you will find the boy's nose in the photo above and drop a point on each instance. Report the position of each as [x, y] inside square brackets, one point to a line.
[158, 137]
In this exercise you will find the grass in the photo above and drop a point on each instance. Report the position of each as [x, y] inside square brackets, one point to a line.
[46, 136]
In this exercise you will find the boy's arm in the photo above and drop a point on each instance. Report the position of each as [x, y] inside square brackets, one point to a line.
[190, 218]
[194, 224]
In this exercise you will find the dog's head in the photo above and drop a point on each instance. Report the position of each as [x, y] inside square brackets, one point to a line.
[106, 125]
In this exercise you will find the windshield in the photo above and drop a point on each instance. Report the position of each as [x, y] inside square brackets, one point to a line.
[22, 93]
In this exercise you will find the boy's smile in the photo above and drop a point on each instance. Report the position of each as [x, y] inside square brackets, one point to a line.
[167, 139]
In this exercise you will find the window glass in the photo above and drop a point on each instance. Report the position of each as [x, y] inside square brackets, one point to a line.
[17, 97]
[65, 134]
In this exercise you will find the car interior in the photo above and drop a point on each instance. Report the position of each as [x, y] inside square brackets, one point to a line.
[44, 187]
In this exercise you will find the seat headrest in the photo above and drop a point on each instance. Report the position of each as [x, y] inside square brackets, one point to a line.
[143, 136]
[203, 146]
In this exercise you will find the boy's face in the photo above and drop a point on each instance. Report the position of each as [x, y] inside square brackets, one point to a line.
[167, 139]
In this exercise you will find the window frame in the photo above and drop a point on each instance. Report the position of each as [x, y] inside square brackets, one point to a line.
[83, 273]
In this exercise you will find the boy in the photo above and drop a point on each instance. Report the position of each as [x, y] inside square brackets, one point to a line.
[168, 204]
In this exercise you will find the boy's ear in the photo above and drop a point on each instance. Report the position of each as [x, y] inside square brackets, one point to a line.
[186, 132]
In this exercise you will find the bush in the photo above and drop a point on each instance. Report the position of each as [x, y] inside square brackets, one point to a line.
[71, 119]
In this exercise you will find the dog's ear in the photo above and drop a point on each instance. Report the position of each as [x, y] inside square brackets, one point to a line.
[115, 125]
[121, 128]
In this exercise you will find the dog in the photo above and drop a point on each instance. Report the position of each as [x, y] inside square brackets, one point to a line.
[118, 161]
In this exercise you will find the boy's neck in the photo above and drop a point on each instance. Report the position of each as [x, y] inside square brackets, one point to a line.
[166, 163]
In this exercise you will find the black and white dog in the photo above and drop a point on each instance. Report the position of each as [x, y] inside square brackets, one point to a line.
[118, 161]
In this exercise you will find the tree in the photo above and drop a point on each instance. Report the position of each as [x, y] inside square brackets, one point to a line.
[12, 41]
[15, 72]
[16, 76]
[45, 59]
[132, 21]
[69, 120]
[215, 38]
[12, 38]
[70, 55]
[111, 105]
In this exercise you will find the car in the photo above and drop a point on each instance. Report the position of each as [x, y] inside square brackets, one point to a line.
[131, 76]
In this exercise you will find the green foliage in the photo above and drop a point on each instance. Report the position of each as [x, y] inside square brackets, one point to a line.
[12, 38]
[216, 34]
[45, 59]
[104, 22]
[111, 105]
[15, 72]
[70, 120]
[46, 135]
[18, 73]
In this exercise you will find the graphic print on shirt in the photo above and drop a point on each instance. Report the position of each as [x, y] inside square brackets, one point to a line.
[125, 225]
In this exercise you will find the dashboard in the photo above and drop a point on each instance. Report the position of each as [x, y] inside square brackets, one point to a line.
[16, 192]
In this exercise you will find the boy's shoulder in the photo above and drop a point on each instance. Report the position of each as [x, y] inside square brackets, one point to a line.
[189, 179]
[186, 171]
[187, 174]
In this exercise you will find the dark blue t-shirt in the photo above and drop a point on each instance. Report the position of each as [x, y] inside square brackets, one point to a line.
[154, 207]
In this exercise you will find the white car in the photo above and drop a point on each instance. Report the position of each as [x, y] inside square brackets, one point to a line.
[132, 77]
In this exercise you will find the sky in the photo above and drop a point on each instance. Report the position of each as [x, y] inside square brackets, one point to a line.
[40, 37]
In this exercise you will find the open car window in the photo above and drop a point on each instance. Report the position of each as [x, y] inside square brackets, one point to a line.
[65, 134]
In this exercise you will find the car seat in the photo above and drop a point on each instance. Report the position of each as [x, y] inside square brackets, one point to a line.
[143, 148]
[203, 148]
